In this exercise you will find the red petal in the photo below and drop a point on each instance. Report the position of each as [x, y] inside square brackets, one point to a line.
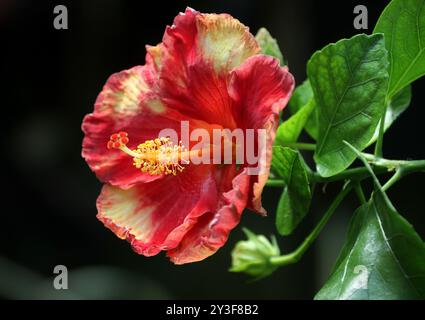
[212, 229]
[127, 104]
[155, 216]
[260, 89]
[218, 39]
[192, 222]
[198, 52]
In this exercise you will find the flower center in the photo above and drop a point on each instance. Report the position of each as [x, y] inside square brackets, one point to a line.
[158, 156]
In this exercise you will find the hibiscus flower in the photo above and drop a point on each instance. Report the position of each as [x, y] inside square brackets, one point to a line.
[208, 71]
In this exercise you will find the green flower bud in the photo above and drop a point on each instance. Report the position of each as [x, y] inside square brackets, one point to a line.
[252, 256]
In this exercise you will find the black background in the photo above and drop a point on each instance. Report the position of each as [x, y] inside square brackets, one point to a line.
[50, 80]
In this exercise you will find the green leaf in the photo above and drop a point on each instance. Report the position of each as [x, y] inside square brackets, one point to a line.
[383, 257]
[289, 213]
[349, 81]
[302, 96]
[403, 23]
[290, 130]
[269, 45]
[295, 200]
[396, 107]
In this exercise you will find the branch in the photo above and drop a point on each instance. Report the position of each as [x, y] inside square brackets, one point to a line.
[296, 255]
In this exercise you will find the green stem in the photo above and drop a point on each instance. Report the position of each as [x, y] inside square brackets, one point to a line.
[300, 145]
[359, 191]
[381, 162]
[379, 166]
[410, 165]
[298, 253]
[358, 174]
[413, 166]
[401, 167]
[405, 168]
[396, 176]
[380, 140]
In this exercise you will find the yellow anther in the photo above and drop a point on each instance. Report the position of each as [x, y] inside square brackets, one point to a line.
[158, 156]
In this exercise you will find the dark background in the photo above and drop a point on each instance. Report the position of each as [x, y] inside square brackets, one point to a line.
[50, 80]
